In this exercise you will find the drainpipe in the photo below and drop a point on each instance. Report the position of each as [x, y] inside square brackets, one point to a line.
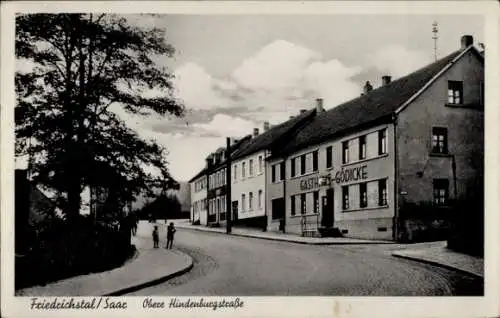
[228, 187]
[454, 170]
[396, 221]
[265, 192]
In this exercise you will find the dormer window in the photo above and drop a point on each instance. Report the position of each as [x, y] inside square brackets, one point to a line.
[455, 92]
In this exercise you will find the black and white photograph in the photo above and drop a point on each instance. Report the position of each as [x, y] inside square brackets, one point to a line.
[162, 156]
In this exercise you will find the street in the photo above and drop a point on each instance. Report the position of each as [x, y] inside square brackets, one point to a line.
[231, 265]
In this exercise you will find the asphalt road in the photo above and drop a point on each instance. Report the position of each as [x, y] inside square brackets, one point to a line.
[231, 265]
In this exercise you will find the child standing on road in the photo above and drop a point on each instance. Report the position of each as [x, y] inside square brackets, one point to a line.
[170, 235]
[155, 237]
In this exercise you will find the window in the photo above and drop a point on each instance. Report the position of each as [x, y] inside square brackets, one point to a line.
[303, 164]
[260, 199]
[439, 140]
[250, 201]
[345, 197]
[292, 167]
[345, 151]
[218, 205]
[243, 205]
[316, 201]
[292, 204]
[329, 158]
[315, 160]
[260, 164]
[363, 196]
[243, 170]
[250, 167]
[362, 147]
[303, 203]
[235, 172]
[455, 90]
[382, 192]
[440, 191]
[278, 209]
[382, 141]
[273, 173]
[282, 171]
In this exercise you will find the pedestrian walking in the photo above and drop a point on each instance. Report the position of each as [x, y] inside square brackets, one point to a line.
[156, 238]
[170, 235]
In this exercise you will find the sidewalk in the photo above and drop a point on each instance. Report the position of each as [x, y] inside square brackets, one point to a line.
[185, 224]
[436, 253]
[150, 267]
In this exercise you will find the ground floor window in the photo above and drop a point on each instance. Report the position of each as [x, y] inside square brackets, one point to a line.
[316, 201]
[292, 204]
[303, 203]
[440, 187]
[363, 195]
[345, 197]
[382, 192]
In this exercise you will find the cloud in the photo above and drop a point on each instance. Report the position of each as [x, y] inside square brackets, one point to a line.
[397, 61]
[223, 125]
[195, 87]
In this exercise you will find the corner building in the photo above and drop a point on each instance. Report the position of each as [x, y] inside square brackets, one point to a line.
[418, 140]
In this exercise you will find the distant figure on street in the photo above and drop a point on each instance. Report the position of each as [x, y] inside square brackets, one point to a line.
[155, 237]
[170, 235]
[135, 222]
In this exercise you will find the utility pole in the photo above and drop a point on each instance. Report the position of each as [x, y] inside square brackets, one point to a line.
[435, 38]
[228, 186]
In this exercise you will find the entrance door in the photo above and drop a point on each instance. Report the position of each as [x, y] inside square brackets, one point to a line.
[327, 209]
[235, 210]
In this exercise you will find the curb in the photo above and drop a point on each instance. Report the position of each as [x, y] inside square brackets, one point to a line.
[153, 282]
[287, 240]
[437, 264]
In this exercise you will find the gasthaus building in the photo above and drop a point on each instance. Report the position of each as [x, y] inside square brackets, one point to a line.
[415, 140]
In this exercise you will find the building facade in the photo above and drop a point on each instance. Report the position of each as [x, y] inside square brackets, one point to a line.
[198, 188]
[359, 166]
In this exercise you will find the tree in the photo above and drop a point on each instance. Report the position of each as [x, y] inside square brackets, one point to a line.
[85, 64]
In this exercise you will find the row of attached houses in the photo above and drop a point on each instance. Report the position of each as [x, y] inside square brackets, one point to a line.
[355, 168]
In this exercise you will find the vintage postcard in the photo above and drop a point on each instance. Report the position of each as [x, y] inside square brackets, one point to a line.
[253, 159]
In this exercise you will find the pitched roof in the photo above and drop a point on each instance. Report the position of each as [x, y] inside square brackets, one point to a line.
[273, 136]
[234, 147]
[369, 109]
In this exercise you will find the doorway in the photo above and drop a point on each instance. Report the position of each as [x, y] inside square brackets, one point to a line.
[327, 212]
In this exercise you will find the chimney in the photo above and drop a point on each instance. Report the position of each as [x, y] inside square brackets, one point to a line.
[266, 126]
[466, 41]
[386, 79]
[255, 132]
[302, 111]
[368, 87]
[209, 161]
[319, 105]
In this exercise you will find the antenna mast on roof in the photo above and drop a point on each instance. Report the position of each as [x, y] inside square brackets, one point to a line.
[435, 38]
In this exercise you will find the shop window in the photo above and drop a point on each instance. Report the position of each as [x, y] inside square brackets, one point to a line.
[303, 164]
[440, 191]
[316, 201]
[303, 203]
[382, 141]
[362, 147]
[455, 92]
[345, 197]
[345, 151]
[439, 140]
[292, 167]
[382, 192]
[329, 157]
[292, 204]
[315, 160]
[363, 195]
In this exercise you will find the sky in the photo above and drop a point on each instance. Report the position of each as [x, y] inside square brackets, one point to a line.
[233, 72]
